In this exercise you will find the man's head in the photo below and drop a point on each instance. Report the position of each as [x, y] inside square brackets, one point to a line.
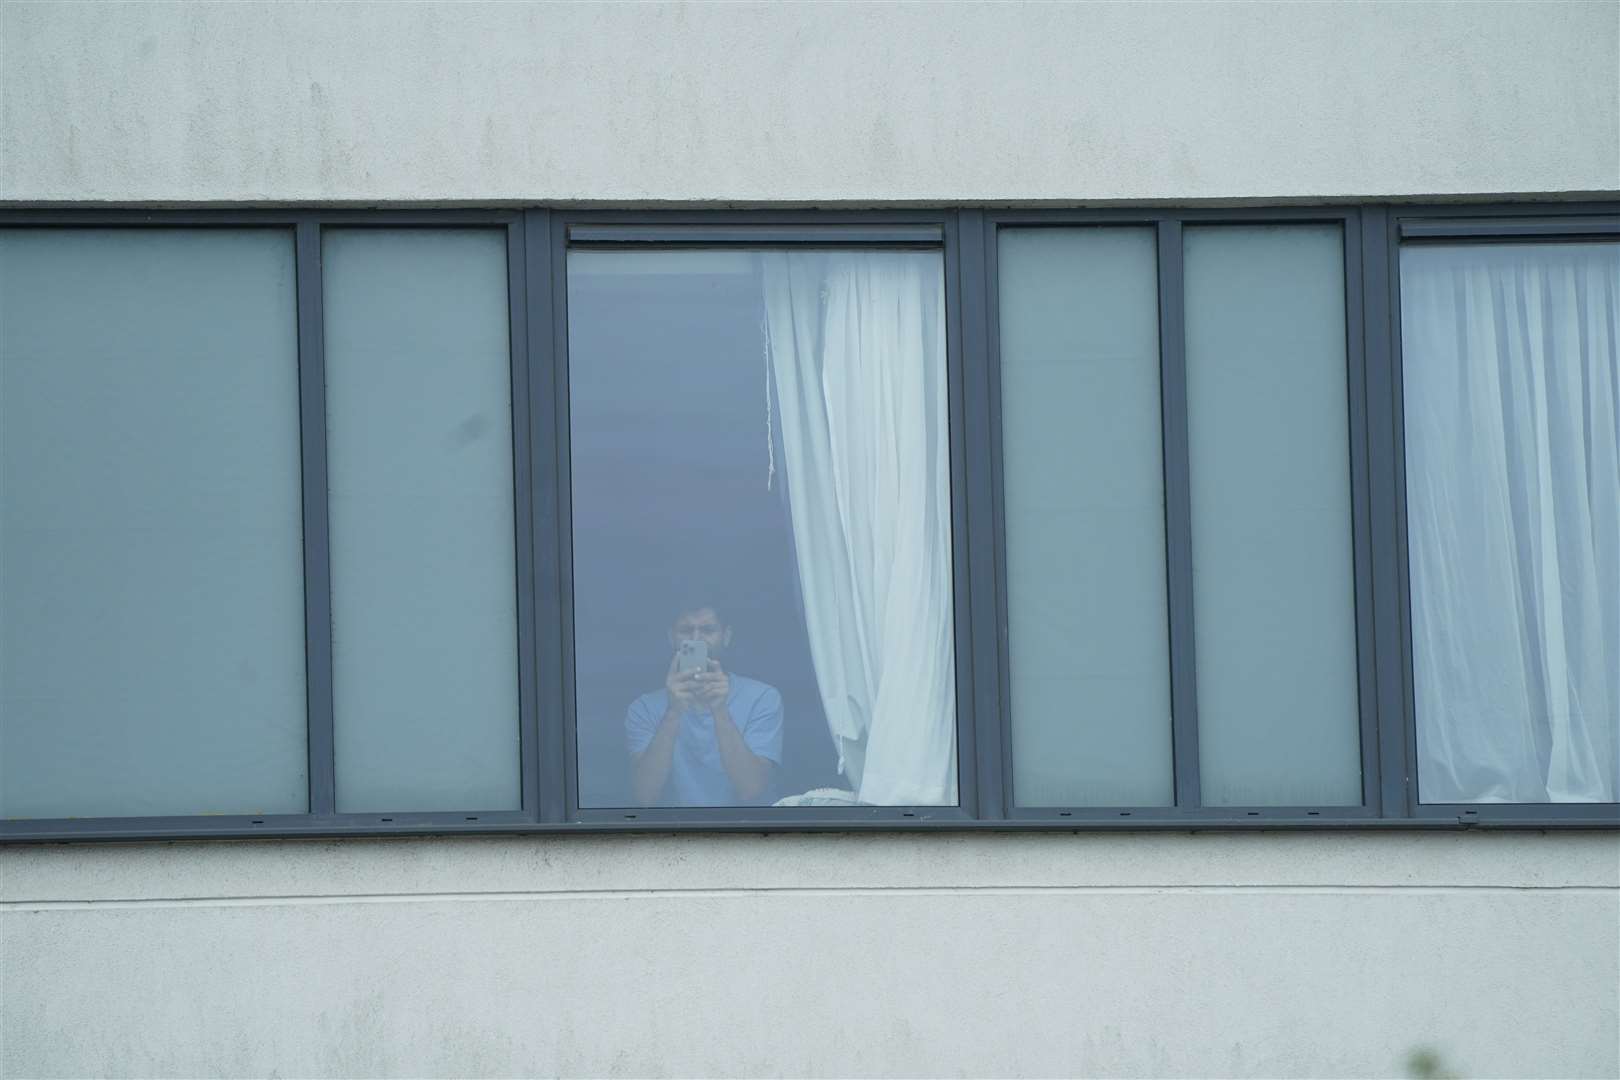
[703, 622]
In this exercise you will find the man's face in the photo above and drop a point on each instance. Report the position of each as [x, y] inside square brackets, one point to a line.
[701, 625]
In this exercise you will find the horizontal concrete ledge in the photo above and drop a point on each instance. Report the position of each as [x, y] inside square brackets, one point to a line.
[800, 201]
[794, 893]
[825, 862]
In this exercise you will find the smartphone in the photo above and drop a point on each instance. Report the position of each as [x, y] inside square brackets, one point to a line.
[692, 656]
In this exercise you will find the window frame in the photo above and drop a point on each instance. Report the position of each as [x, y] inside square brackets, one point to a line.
[1169, 225]
[673, 230]
[1460, 224]
[537, 243]
[304, 228]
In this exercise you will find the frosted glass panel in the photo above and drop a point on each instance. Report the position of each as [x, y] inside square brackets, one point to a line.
[1084, 491]
[424, 617]
[151, 573]
[1273, 570]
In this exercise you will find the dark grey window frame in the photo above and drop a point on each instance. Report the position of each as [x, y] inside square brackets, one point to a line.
[884, 230]
[1168, 226]
[537, 243]
[1453, 224]
[304, 229]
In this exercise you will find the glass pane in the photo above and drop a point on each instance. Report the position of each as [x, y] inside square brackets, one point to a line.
[1273, 569]
[1084, 498]
[1512, 388]
[151, 573]
[424, 597]
[762, 545]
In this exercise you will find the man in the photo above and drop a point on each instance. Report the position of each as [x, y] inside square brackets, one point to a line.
[709, 737]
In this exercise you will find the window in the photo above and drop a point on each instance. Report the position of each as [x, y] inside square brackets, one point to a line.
[1177, 449]
[148, 440]
[329, 522]
[1512, 393]
[257, 525]
[1082, 472]
[760, 463]
[1268, 418]
[419, 482]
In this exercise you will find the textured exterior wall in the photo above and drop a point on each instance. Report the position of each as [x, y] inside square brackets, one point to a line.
[1125, 954]
[1325, 954]
[812, 102]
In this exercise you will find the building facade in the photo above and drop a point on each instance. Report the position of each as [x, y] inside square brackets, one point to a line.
[1204, 561]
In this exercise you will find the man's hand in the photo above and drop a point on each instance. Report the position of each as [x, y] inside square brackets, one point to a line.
[749, 773]
[684, 686]
[713, 685]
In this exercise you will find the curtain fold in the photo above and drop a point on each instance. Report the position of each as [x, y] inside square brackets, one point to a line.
[857, 351]
[1512, 394]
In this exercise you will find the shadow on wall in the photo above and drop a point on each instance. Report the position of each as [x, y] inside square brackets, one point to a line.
[1426, 1063]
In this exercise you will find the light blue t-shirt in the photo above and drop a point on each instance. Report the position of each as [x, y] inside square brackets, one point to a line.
[697, 776]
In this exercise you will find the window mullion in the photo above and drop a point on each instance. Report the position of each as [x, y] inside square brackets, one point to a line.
[976, 259]
[548, 436]
[523, 433]
[317, 535]
[1356, 358]
[1385, 517]
[1178, 515]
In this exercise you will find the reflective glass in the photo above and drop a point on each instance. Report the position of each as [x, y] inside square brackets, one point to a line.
[419, 444]
[761, 514]
[151, 569]
[1083, 490]
[1273, 567]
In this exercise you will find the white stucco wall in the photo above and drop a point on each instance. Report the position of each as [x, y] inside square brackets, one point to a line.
[1126, 954]
[810, 102]
[1325, 954]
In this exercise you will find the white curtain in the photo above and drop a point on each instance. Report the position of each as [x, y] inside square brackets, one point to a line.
[1512, 392]
[857, 349]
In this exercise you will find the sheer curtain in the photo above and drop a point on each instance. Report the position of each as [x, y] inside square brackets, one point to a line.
[856, 345]
[1512, 399]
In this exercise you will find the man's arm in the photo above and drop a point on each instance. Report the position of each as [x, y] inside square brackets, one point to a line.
[748, 771]
[649, 769]
[649, 766]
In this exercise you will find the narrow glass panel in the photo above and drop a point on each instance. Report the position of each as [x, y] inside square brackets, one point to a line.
[762, 528]
[1084, 497]
[1273, 569]
[151, 574]
[424, 598]
[1512, 391]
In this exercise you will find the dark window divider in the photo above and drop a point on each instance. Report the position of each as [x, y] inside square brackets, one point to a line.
[991, 360]
[1177, 464]
[962, 474]
[981, 442]
[1378, 307]
[562, 518]
[523, 516]
[1361, 512]
[765, 821]
[1406, 733]
[719, 235]
[1519, 815]
[317, 535]
[1505, 229]
[548, 389]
